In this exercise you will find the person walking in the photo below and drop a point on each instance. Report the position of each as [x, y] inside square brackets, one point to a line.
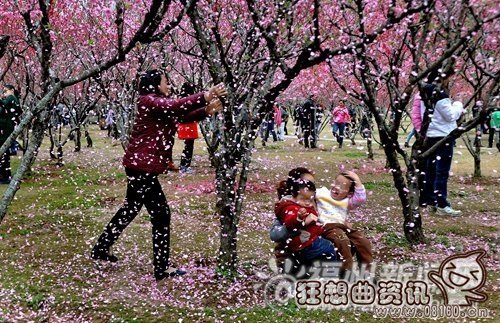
[278, 122]
[147, 156]
[10, 110]
[308, 122]
[298, 119]
[340, 117]
[111, 124]
[284, 115]
[269, 127]
[494, 128]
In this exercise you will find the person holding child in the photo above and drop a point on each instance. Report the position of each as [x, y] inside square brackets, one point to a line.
[331, 208]
[347, 193]
[297, 219]
[147, 156]
[444, 114]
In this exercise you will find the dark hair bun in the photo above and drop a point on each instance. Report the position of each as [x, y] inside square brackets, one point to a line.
[149, 82]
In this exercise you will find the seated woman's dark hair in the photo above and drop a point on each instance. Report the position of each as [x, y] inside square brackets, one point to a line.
[294, 182]
[281, 189]
[149, 82]
[298, 184]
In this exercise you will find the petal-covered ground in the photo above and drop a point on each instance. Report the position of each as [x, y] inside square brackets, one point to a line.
[46, 238]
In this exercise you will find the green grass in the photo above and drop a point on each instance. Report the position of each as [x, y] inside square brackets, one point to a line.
[443, 240]
[35, 302]
[354, 154]
[392, 239]
[370, 185]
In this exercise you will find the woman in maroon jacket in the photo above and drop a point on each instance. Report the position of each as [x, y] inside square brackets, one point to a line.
[147, 156]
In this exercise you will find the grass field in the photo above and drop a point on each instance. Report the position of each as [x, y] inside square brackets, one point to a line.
[46, 237]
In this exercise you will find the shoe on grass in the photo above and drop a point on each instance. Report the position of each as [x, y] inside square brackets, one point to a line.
[170, 272]
[186, 170]
[448, 211]
[99, 254]
[171, 167]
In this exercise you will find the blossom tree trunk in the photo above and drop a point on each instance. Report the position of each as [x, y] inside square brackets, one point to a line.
[4, 41]
[271, 53]
[474, 149]
[40, 37]
[388, 76]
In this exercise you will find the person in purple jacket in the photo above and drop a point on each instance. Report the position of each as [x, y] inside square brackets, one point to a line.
[147, 156]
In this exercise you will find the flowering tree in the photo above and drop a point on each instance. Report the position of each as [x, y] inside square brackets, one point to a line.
[52, 38]
[76, 102]
[257, 49]
[391, 69]
[481, 68]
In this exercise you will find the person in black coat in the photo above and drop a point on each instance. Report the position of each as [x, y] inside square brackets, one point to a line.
[307, 117]
[10, 110]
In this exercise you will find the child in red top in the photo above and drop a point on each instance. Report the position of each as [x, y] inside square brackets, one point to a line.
[298, 213]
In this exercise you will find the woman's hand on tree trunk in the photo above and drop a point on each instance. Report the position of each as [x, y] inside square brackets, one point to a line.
[213, 107]
[215, 92]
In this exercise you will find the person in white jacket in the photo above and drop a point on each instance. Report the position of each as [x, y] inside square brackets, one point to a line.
[443, 121]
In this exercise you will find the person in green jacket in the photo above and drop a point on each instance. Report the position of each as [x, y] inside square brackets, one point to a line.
[10, 110]
[494, 129]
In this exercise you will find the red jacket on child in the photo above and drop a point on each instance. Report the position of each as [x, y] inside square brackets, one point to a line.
[287, 211]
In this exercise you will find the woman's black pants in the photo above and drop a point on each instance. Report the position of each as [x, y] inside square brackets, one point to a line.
[187, 153]
[142, 189]
[5, 173]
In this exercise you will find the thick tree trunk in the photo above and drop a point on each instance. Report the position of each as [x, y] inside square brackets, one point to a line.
[367, 134]
[225, 208]
[228, 256]
[89, 139]
[4, 41]
[477, 166]
[78, 139]
[52, 144]
[369, 146]
[475, 150]
[415, 234]
[60, 155]
[229, 208]
[477, 153]
[409, 196]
